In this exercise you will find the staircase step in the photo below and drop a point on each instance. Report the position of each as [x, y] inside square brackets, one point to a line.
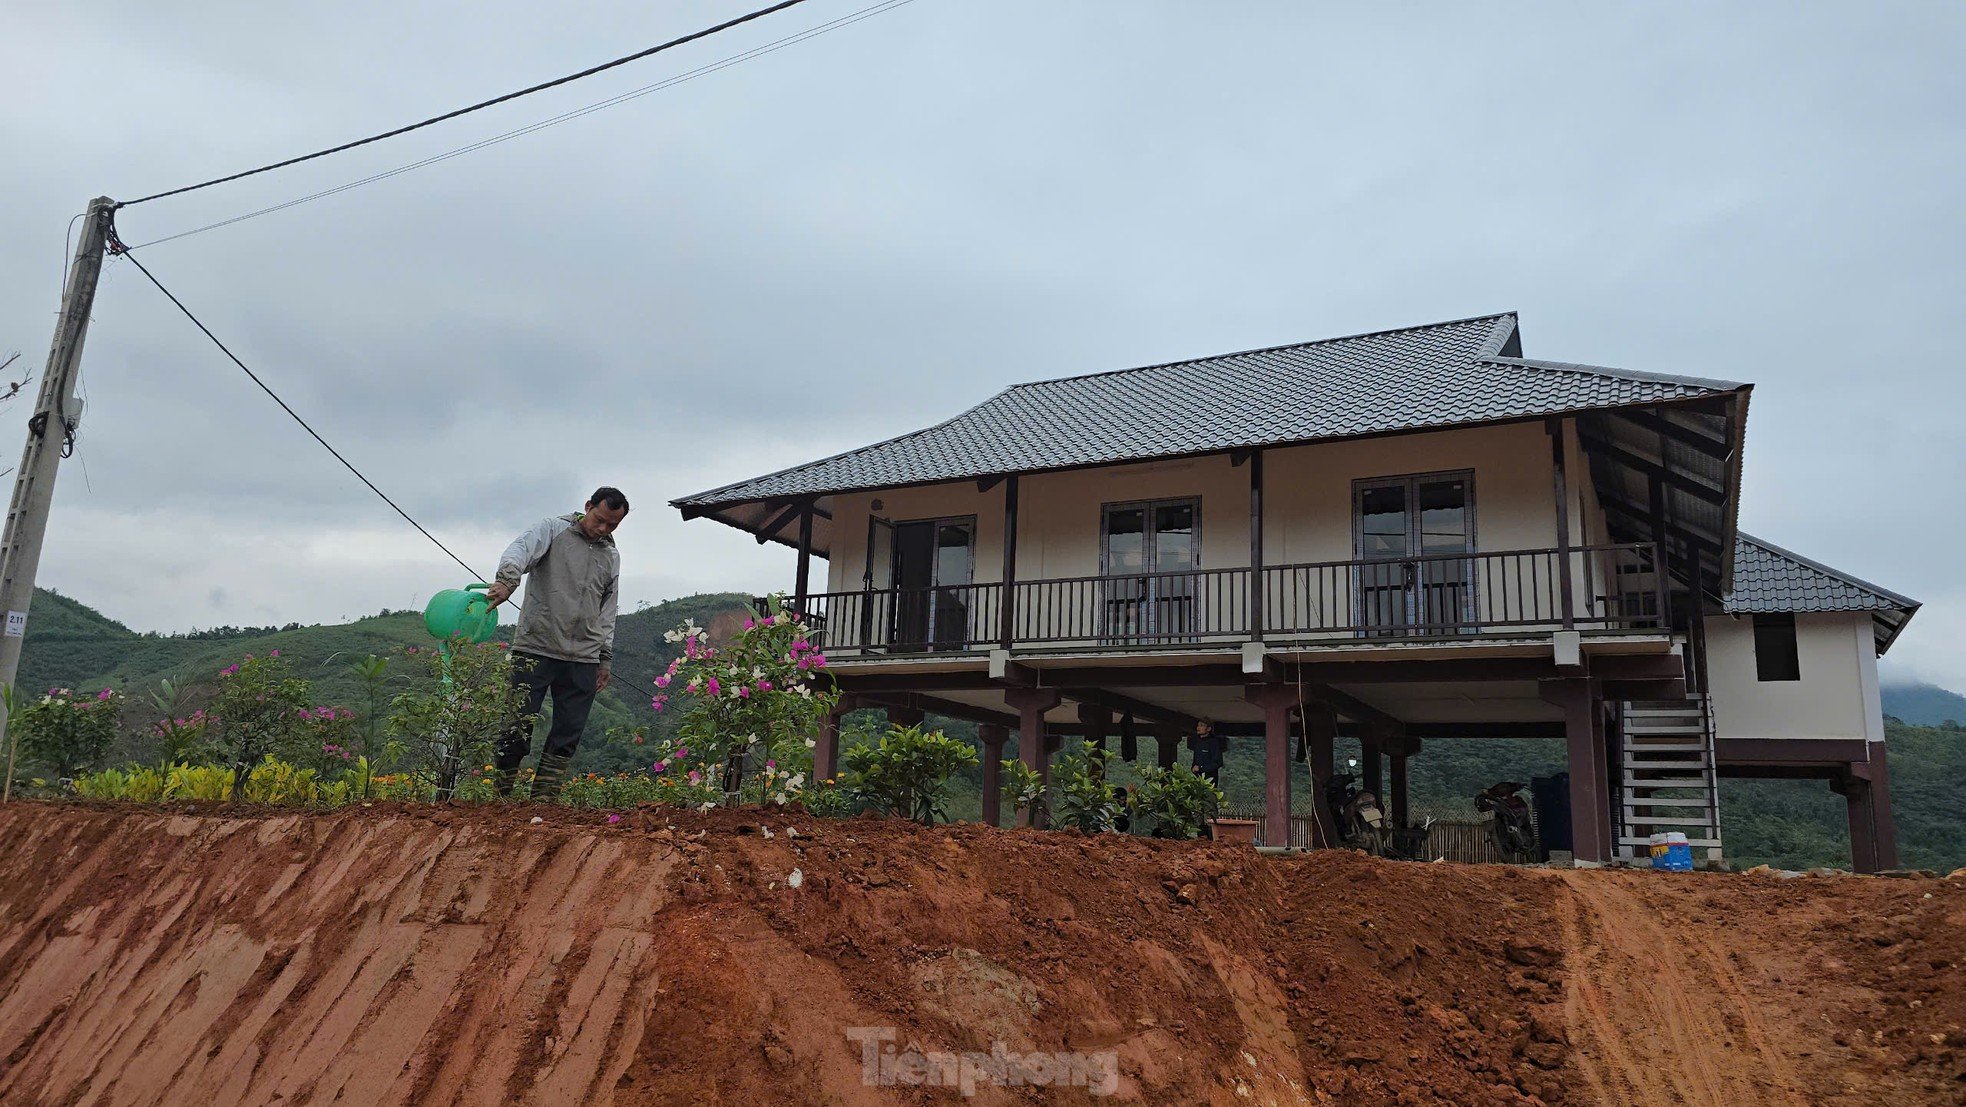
[1638, 765]
[1667, 747]
[1669, 801]
[1641, 730]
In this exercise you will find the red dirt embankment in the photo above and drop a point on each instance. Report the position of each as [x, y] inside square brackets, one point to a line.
[377, 956]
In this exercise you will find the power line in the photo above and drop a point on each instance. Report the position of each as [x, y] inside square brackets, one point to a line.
[296, 415]
[725, 63]
[541, 87]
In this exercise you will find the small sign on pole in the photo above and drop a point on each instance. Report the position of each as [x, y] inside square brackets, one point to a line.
[16, 624]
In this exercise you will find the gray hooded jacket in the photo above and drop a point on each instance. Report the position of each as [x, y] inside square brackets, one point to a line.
[573, 593]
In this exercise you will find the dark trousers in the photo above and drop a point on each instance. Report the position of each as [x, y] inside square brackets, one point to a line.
[572, 685]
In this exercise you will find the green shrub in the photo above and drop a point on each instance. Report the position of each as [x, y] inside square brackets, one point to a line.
[470, 704]
[1172, 803]
[66, 732]
[1085, 800]
[907, 772]
[1025, 790]
[260, 711]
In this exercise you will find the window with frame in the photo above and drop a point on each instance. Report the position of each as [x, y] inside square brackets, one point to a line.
[1775, 655]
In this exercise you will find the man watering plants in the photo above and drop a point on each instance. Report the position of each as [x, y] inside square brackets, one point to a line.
[565, 640]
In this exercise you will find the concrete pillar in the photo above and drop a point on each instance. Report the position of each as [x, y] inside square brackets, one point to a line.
[1582, 702]
[992, 737]
[1032, 747]
[1275, 700]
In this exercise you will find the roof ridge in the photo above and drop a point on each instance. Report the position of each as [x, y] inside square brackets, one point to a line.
[803, 466]
[1811, 563]
[1270, 350]
[1548, 365]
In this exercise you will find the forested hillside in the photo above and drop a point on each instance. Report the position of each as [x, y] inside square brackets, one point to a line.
[1793, 824]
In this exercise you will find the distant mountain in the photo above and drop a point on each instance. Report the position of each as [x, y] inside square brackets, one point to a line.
[1924, 704]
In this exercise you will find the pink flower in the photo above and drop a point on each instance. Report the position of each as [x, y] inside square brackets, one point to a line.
[818, 661]
[662, 681]
[660, 767]
[103, 695]
[764, 686]
[805, 663]
[771, 764]
[232, 671]
[743, 692]
[712, 687]
[694, 776]
[750, 623]
[275, 653]
[612, 819]
[682, 751]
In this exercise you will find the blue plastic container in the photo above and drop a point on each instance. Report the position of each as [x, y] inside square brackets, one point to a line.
[1671, 853]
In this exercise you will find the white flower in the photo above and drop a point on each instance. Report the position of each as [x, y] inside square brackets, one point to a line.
[811, 743]
[707, 806]
[797, 779]
[672, 636]
[779, 798]
[795, 878]
[781, 619]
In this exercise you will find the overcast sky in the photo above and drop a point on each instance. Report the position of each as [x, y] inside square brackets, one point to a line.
[861, 234]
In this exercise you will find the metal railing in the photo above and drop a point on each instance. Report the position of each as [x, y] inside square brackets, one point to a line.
[1612, 587]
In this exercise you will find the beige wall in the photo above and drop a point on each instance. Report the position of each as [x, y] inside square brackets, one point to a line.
[1837, 696]
[1308, 494]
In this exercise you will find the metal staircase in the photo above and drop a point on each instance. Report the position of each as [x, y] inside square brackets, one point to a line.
[1667, 775]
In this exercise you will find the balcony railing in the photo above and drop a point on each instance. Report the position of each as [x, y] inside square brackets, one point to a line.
[1613, 587]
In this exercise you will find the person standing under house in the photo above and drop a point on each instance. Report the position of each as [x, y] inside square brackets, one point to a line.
[1207, 748]
[565, 640]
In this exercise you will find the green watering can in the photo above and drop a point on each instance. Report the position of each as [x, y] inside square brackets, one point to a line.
[465, 612]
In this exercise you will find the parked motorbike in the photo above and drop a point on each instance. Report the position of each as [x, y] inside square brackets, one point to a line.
[1359, 820]
[1514, 838]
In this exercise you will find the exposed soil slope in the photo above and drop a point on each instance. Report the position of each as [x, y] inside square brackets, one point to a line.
[376, 956]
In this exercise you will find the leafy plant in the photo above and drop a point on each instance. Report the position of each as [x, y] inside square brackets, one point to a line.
[461, 718]
[1172, 803]
[68, 733]
[181, 739]
[907, 772]
[371, 671]
[260, 709]
[748, 709]
[829, 799]
[1025, 788]
[137, 785]
[1085, 800]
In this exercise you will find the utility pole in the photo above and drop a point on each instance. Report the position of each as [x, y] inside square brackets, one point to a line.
[56, 415]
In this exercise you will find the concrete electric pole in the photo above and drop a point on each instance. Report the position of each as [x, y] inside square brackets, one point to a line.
[56, 415]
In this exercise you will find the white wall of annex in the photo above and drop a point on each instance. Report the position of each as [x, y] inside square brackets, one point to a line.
[1837, 696]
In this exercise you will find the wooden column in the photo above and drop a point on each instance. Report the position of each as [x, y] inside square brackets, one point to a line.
[1007, 603]
[1371, 773]
[1032, 748]
[826, 747]
[1097, 722]
[1320, 728]
[1581, 701]
[1275, 700]
[992, 737]
[1883, 827]
[1256, 602]
[803, 586]
[1566, 588]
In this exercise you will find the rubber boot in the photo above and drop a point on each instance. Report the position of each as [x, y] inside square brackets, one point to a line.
[547, 779]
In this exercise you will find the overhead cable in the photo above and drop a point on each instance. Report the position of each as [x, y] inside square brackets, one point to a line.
[633, 94]
[479, 106]
[284, 406]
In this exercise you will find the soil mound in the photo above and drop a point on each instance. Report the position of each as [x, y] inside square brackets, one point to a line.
[420, 955]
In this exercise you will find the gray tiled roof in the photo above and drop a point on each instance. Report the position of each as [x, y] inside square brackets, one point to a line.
[1438, 375]
[1768, 578]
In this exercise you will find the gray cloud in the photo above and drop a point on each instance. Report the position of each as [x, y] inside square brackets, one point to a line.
[861, 234]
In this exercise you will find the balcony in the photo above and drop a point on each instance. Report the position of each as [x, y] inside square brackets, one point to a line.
[1450, 596]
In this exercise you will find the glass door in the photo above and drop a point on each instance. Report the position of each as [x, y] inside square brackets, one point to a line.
[933, 561]
[1142, 544]
[1409, 529]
